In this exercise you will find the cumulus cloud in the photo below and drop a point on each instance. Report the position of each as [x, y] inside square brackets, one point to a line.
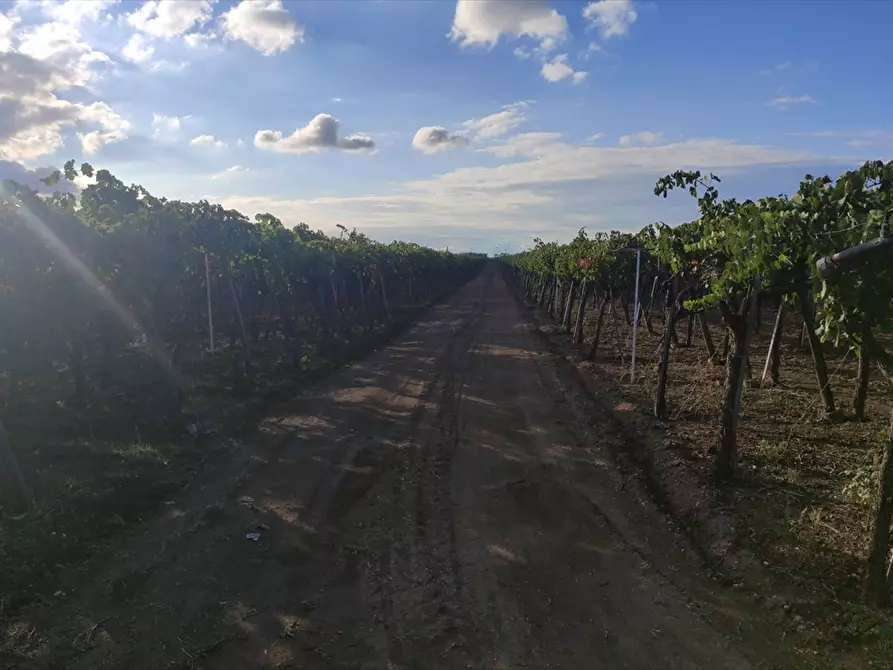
[113, 128]
[137, 49]
[199, 40]
[483, 22]
[432, 139]
[320, 134]
[229, 172]
[558, 69]
[75, 12]
[263, 25]
[61, 46]
[612, 18]
[644, 137]
[548, 45]
[787, 101]
[7, 25]
[207, 141]
[500, 123]
[36, 65]
[170, 18]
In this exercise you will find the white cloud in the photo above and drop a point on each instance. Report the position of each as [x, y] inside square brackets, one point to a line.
[7, 25]
[49, 59]
[645, 137]
[483, 22]
[75, 12]
[207, 141]
[167, 126]
[432, 139]
[320, 134]
[552, 161]
[787, 101]
[525, 144]
[875, 133]
[137, 49]
[264, 25]
[860, 139]
[521, 53]
[230, 171]
[384, 211]
[199, 40]
[113, 128]
[613, 18]
[548, 45]
[498, 124]
[61, 45]
[170, 18]
[592, 139]
[558, 69]
[778, 68]
[168, 66]
[547, 188]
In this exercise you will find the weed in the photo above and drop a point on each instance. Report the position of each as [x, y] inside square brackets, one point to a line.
[770, 451]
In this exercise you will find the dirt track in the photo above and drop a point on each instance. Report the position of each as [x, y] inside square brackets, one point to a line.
[440, 505]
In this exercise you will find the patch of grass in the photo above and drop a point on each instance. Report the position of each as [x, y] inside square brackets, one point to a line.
[140, 452]
[86, 491]
[770, 451]
[860, 483]
[859, 624]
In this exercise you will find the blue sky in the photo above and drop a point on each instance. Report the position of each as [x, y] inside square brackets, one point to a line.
[473, 124]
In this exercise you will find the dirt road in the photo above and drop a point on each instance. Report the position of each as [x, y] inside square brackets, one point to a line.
[440, 505]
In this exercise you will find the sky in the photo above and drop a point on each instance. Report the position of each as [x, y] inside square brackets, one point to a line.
[473, 125]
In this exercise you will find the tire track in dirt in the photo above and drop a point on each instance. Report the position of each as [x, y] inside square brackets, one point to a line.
[441, 506]
[420, 578]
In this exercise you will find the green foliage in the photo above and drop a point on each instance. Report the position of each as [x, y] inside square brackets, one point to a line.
[842, 213]
[87, 281]
[594, 259]
[779, 239]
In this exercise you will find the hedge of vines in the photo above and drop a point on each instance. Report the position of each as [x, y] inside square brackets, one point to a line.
[105, 301]
[735, 256]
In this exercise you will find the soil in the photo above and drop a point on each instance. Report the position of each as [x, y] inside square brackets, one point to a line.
[792, 530]
[455, 500]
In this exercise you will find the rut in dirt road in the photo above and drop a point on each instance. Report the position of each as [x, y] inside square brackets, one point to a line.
[440, 505]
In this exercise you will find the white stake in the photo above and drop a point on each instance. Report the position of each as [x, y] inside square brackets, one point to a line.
[208, 285]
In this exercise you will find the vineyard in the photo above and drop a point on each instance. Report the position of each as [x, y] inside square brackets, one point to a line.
[734, 304]
[188, 465]
[133, 327]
